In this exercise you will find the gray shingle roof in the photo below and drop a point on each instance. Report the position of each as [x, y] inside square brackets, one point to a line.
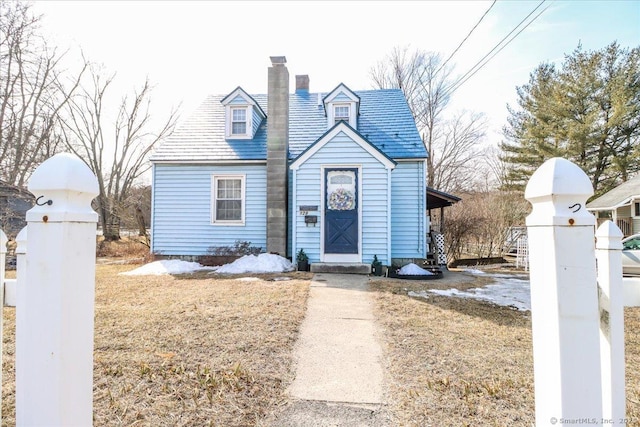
[617, 196]
[385, 121]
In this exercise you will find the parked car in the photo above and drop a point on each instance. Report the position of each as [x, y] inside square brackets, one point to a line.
[631, 255]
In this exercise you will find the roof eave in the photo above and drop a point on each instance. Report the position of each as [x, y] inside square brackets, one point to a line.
[208, 161]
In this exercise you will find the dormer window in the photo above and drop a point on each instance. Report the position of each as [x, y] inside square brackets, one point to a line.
[243, 115]
[239, 121]
[341, 112]
[342, 104]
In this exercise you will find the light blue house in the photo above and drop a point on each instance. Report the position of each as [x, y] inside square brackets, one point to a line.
[340, 174]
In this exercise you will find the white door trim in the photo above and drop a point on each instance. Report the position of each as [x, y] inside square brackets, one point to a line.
[347, 258]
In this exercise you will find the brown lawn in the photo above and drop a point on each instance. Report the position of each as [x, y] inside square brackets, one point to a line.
[461, 362]
[191, 350]
[200, 350]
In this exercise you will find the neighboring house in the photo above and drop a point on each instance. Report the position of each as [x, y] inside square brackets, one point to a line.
[14, 204]
[621, 205]
[340, 174]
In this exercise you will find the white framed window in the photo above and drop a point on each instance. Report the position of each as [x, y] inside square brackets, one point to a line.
[239, 121]
[227, 199]
[341, 112]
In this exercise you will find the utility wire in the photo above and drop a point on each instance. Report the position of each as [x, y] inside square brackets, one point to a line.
[481, 64]
[465, 39]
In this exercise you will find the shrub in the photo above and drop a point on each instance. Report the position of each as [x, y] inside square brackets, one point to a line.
[240, 248]
[302, 256]
[220, 255]
[127, 247]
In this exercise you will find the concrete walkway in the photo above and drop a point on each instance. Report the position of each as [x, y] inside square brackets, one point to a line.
[339, 375]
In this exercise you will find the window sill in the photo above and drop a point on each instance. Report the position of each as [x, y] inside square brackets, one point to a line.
[228, 223]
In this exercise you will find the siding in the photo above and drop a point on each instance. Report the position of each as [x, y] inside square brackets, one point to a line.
[238, 100]
[290, 214]
[181, 223]
[408, 188]
[373, 179]
[342, 97]
[256, 121]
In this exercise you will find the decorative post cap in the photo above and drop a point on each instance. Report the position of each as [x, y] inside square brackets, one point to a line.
[64, 187]
[558, 191]
[609, 236]
[21, 241]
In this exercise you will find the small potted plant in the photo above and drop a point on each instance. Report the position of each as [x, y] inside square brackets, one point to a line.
[303, 260]
[376, 266]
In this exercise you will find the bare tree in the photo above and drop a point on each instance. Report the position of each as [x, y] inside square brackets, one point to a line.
[426, 82]
[478, 225]
[496, 169]
[33, 91]
[415, 74]
[456, 153]
[116, 152]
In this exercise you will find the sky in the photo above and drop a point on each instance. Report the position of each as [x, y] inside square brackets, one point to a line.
[191, 49]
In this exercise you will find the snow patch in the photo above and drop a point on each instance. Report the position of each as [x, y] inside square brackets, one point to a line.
[453, 292]
[420, 294]
[509, 291]
[167, 266]
[414, 270]
[473, 271]
[263, 263]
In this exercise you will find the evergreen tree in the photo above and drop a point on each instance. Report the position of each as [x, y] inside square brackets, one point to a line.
[587, 111]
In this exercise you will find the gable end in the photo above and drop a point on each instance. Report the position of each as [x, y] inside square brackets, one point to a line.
[341, 104]
[343, 127]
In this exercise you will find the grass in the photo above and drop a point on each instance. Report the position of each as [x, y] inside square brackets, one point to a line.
[200, 350]
[191, 350]
[130, 247]
[462, 362]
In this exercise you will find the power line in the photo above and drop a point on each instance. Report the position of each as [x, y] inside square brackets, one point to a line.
[465, 39]
[481, 64]
[459, 82]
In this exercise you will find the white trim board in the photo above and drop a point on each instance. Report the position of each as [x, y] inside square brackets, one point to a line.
[329, 136]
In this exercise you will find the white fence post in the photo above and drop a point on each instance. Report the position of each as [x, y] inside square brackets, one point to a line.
[609, 259]
[54, 342]
[564, 296]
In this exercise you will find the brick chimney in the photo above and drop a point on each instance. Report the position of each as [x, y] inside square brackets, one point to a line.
[277, 154]
[302, 83]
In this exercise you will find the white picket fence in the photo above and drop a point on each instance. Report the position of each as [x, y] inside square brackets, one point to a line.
[577, 300]
[577, 309]
[55, 305]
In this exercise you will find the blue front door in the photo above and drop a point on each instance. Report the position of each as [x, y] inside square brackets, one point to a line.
[341, 211]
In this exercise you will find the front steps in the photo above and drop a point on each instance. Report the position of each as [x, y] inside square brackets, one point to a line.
[344, 268]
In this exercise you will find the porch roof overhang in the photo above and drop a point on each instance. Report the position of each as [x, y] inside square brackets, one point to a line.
[617, 197]
[439, 199]
[622, 203]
